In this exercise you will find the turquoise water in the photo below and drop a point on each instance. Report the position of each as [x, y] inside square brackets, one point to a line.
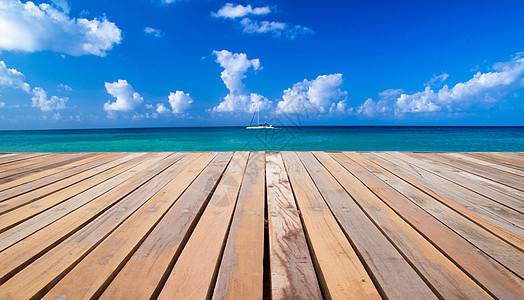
[287, 138]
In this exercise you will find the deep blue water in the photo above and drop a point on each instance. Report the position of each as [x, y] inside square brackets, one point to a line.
[390, 138]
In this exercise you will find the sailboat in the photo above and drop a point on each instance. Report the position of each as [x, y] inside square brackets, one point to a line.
[260, 125]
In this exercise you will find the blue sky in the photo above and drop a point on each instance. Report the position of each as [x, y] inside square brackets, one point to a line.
[149, 63]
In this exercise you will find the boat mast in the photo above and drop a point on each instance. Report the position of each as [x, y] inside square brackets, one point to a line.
[258, 114]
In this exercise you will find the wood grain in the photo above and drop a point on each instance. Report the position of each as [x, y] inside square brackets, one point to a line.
[145, 272]
[240, 275]
[292, 273]
[445, 277]
[340, 271]
[491, 275]
[392, 273]
[90, 277]
[190, 278]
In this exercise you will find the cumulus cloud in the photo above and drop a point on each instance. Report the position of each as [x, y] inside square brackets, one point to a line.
[321, 95]
[235, 66]
[153, 32]
[484, 89]
[41, 101]
[437, 79]
[371, 108]
[275, 28]
[232, 11]
[15, 79]
[161, 108]
[12, 78]
[29, 27]
[133, 106]
[242, 15]
[2, 104]
[64, 87]
[126, 97]
[62, 5]
[179, 102]
[239, 98]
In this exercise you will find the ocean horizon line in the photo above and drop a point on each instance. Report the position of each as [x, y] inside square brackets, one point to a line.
[286, 126]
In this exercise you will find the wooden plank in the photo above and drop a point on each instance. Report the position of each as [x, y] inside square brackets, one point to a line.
[46, 176]
[240, 275]
[504, 196]
[494, 185]
[467, 202]
[507, 161]
[446, 279]
[39, 164]
[145, 272]
[499, 161]
[341, 274]
[485, 162]
[513, 218]
[500, 176]
[190, 278]
[292, 272]
[494, 277]
[19, 157]
[43, 219]
[515, 157]
[62, 185]
[393, 275]
[19, 174]
[44, 186]
[10, 157]
[90, 276]
[33, 246]
[78, 193]
[35, 279]
[26, 161]
[423, 185]
[488, 183]
[6, 155]
[506, 254]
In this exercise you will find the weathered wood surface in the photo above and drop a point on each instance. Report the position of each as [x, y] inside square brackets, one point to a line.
[254, 225]
[292, 272]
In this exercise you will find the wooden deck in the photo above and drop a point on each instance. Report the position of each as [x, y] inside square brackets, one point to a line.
[254, 225]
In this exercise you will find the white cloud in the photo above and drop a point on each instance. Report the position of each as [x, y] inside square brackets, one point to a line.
[179, 102]
[371, 108]
[240, 13]
[239, 98]
[28, 27]
[161, 109]
[243, 103]
[64, 87]
[235, 66]
[15, 79]
[275, 28]
[2, 104]
[153, 32]
[320, 95]
[483, 90]
[126, 98]
[232, 11]
[62, 5]
[40, 100]
[437, 79]
[12, 78]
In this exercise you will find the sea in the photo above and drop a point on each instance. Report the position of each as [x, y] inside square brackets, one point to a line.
[303, 138]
